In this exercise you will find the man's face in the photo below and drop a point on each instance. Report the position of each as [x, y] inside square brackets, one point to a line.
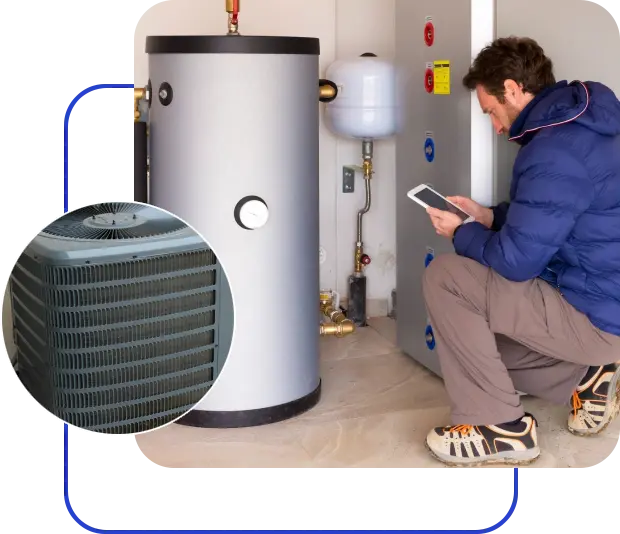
[502, 115]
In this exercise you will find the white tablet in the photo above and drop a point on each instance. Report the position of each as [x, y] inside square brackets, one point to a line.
[429, 198]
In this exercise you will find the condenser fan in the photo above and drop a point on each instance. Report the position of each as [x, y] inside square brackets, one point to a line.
[114, 221]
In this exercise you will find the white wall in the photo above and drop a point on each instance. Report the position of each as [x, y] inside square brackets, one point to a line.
[582, 41]
[579, 50]
[346, 28]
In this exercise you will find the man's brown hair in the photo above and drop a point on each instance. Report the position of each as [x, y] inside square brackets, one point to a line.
[511, 58]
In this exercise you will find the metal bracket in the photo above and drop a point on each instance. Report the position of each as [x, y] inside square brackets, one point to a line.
[355, 168]
[143, 109]
[348, 177]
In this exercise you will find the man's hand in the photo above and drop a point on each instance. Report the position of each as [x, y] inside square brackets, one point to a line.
[445, 223]
[482, 215]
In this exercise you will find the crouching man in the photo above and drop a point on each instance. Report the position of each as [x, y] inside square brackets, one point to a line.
[530, 302]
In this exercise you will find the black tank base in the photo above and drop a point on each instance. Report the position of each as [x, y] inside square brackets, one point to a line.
[356, 311]
[252, 418]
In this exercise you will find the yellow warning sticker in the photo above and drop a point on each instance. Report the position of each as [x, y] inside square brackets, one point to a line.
[442, 77]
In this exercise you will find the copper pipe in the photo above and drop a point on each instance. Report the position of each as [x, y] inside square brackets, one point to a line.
[367, 150]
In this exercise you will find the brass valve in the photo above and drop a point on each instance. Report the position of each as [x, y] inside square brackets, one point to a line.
[335, 316]
[232, 8]
[328, 91]
[340, 326]
[138, 94]
[359, 252]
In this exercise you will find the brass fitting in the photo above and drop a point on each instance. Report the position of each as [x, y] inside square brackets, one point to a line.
[233, 27]
[335, 316]
[338, 330]
[359, 252]
[233, 22]
[368, 171]
[340, 326]
[138, 94]
[325, 298]
[327, 92]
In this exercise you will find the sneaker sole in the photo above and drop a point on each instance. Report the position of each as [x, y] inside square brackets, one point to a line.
[612, 409]
[503, 458]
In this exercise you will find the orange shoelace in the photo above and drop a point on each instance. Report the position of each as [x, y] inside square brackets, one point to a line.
[464, 430]
[577, 403]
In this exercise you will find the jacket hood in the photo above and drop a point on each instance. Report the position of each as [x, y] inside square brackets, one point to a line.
[590, 104]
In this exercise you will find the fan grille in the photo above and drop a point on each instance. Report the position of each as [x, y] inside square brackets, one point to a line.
[112, 221]
[122, 347]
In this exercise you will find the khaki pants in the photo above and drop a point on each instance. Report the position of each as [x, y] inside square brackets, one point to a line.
[496, 337]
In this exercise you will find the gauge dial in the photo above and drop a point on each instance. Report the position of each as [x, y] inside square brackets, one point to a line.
[252, 213]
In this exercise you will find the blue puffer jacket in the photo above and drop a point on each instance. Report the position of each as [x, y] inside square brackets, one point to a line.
[563, 221]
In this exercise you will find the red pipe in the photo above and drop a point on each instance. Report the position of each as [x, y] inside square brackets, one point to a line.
[235, 13]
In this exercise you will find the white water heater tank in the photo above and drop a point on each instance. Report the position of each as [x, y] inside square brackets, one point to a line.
[366, 104]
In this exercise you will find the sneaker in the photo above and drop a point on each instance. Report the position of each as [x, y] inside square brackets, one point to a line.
[465, 445]
[596, 402]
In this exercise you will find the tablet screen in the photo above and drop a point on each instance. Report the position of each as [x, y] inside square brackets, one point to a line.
[432, 199]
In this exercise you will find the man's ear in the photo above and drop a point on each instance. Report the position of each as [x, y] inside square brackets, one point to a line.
[513, 92]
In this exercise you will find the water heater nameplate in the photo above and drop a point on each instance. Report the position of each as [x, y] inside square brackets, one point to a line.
[251, 213]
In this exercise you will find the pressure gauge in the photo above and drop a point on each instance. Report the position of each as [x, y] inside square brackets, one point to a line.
[251, 213]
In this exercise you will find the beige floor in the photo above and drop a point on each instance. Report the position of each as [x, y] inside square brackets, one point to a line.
[376, 409]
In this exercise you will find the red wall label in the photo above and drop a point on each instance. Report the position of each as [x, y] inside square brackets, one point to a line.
[429, 80]
[429, 34]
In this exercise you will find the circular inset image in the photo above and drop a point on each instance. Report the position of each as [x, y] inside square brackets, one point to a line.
[118, 318]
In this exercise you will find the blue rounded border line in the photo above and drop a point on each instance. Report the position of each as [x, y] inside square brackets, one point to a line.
[495, 527]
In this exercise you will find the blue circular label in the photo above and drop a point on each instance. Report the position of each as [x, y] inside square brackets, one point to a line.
[430, 338]
[429, 149]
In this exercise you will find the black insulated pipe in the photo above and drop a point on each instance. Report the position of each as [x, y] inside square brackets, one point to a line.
[356, 307]
[140, 163]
